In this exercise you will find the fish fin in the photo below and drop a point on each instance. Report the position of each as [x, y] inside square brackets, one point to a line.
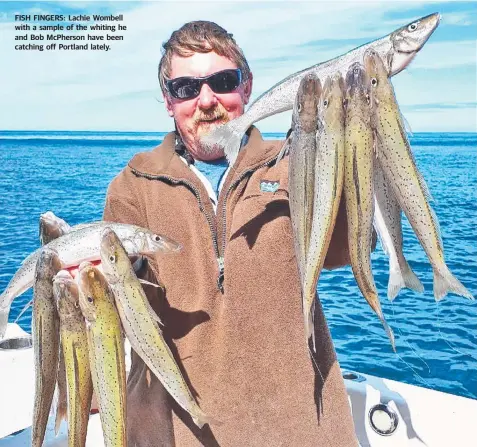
[406, 278]
[377, 141]
[148, 283]
[201, 419]
[313, 339]
[443, 284]
[148, 377]
[27, 305]
[309, 325]
[285, 149]
[407, 126]
[228, 136]
[153, 313]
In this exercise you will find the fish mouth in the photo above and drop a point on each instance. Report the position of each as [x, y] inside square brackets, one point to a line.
[356, 80]
[406, 46]
[407, 43]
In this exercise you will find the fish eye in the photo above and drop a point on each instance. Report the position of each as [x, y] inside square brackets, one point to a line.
[299, 107]
[77, 304]
[90, 299]
[325, 103]
[374, 82]
[356, 70]
[157, 238]
[112, 258]
[413, 26]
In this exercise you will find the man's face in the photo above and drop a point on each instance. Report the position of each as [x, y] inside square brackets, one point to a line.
[196, 117]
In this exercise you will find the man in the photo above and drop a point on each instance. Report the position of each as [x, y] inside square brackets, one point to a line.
[231, 307]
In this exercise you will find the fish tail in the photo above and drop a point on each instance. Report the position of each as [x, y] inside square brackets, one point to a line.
[447, 282]
[61, 413]
[25, 308]
[4, 320]
[229, 137]
[309, 325]
[403, 278]
[389, 331]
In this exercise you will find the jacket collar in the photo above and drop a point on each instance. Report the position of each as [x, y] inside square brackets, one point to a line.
[163, 160]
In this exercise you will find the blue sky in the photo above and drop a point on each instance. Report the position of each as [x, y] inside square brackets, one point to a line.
[118, 90]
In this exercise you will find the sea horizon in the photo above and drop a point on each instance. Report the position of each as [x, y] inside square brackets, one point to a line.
[163, 132]
[68, 172]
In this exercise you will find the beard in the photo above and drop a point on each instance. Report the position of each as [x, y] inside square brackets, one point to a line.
[206, 121]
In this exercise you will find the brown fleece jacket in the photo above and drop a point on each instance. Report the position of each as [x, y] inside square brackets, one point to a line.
[243, 351]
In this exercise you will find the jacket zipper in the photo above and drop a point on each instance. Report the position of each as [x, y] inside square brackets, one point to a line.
[201, 208]
[220, 279]
[219, 255]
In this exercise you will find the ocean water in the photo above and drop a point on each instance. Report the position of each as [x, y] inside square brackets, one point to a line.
[68, 173]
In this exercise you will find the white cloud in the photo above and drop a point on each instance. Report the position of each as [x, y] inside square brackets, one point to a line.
[118, 89]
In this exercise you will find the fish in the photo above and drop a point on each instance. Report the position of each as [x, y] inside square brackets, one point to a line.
[74, 346]
[51, 227]
[327, 188]
[106, 352]
[398, 49]
[359, 185]
[46, 340]
[387, 222]
[400, 168]
[301, 167]
[78, 246]
[140, 324]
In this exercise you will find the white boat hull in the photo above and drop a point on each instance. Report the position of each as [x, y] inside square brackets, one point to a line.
[417, 416]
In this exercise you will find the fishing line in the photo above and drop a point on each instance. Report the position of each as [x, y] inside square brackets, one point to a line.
[410, 346]
[408, 364]
[448, 343]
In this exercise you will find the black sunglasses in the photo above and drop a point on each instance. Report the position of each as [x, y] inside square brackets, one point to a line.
[188, 87]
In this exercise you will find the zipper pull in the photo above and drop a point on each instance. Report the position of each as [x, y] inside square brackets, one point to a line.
[220, 279]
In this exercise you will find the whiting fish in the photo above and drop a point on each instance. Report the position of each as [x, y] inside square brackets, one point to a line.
[74, 346]
[328, 168]
[46, 340]
[358, 185]
[399, 167]
[387, 222]
[140, 324]
[81, 245]
[106, 353]
[301, 167]
[397, 49]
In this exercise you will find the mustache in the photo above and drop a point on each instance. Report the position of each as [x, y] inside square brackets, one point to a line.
[219, 113]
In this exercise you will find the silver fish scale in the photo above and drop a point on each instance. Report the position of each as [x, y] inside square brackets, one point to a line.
[72, 248]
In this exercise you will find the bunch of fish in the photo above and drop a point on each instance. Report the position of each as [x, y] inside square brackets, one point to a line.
[348, 141]
[78, 325]
[397, 50]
